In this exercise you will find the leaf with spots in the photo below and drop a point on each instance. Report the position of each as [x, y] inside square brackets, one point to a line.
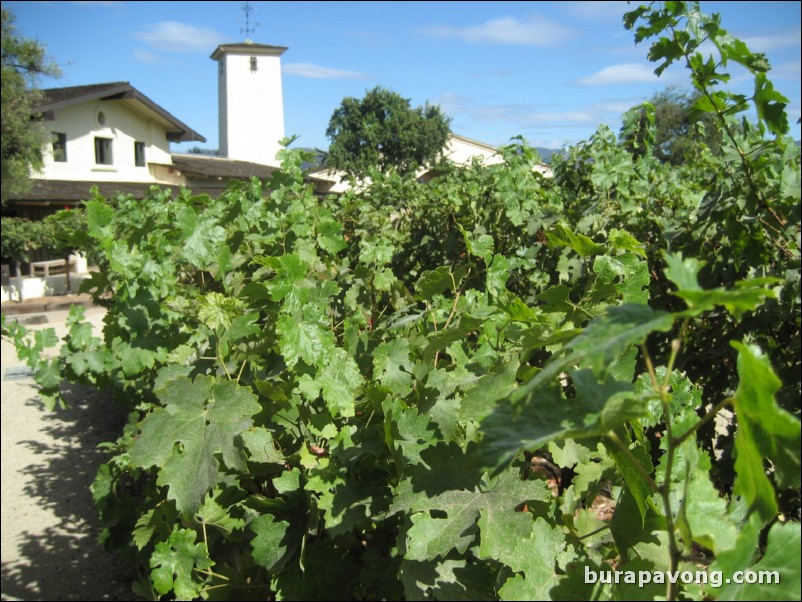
[200, 419]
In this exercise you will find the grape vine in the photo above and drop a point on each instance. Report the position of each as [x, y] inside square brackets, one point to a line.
[351, 397]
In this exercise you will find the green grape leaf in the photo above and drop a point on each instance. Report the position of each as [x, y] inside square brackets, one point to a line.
[430, 537]
[221, 509]
[706, 514]
[203, 244]
[562, 236]
[261, 446]
[764, 431]
[623, 240]
[158, 522]
[536, 557]
[779, 568]
[478, 245]
[434, 282]
[501, 533]
[340, 380]
[330, 236]
[173, 563]
[544, 415]
[604, 340]
[269, 545]
[454, 524]
[781, 564]
[406, 431]
[135, 360]
[744, 296]
[392, 366]
[303, 339]
[201, 418]
[498, 272]
[684, 273]
[98, 217]
[447, 580]
[635, 538]
[638, 487]
[290, 270]
[770, 105]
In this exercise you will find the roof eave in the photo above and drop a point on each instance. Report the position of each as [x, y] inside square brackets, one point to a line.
[178, 132]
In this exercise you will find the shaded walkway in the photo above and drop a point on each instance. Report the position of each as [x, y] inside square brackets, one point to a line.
[49, 523]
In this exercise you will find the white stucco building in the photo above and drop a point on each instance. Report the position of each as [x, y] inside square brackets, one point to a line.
[114, 137]
[107, 133]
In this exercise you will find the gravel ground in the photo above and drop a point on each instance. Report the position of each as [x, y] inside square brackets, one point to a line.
[49, 524]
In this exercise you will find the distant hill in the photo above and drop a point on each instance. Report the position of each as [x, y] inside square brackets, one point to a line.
[546, 153]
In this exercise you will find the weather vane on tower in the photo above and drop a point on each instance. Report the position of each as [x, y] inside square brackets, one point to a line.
[249, 28]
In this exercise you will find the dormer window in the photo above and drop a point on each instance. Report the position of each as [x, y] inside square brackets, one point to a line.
[253, 64]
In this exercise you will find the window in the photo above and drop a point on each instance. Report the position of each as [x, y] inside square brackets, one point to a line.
[139, 154]
[59, 147]
[103, 151]
[253, 64]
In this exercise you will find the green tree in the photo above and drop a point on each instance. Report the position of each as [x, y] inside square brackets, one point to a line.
[382, 130]
[671, 126]
[23, 61]
[20, 237]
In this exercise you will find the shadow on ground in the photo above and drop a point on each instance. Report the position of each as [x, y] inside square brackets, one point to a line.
[63, 561]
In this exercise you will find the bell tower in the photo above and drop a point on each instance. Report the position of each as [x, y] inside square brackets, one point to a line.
[251, 105]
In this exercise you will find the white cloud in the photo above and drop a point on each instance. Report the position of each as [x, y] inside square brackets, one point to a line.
[488, 118]
[318, 72]
[505, 31]
[477, 108]
[773, 42]
[173, 36]
[788, 70]
[627, 73]
[145, 56]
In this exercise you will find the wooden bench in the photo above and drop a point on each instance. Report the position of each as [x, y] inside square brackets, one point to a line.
[59, 266]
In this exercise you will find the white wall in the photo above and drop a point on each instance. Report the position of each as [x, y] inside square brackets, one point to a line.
[462, 151]
[122, 125]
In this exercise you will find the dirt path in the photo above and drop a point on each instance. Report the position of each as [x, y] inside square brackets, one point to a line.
[49, 524]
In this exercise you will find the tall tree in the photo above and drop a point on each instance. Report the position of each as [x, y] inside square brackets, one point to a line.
[671, 126]
[23, 61]
[382, 130]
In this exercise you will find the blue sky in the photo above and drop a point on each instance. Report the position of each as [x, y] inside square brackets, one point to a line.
[549, 71]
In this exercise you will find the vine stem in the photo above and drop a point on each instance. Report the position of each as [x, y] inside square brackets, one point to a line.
[664, 490]
[747, 167]
[239, 375]
[457, 295]
[594, 532]
[612, 436]
[222, 363]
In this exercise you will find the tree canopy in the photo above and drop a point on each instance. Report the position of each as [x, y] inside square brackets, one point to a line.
[383, 131]
[670, 124]
[22, 137]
